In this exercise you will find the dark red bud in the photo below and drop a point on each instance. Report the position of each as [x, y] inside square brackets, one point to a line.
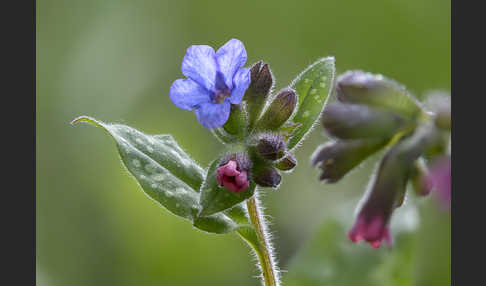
[268, 177]
[271, 146]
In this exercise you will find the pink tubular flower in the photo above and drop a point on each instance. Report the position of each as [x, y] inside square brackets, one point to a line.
[231, 178]
[371, 229]
[385, 195]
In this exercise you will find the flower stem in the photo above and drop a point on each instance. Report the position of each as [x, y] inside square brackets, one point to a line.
[264, 252]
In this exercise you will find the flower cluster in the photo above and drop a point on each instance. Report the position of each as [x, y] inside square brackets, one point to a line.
[229, 99]
[372, 112]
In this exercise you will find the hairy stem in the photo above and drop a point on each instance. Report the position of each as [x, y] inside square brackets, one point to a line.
[264, 252]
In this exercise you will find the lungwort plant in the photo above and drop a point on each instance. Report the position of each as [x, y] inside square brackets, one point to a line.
[259, 131]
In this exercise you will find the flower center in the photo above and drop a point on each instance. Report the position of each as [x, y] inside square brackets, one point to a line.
[220, 96]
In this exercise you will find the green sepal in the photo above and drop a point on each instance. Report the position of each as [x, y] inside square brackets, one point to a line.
[237, 123]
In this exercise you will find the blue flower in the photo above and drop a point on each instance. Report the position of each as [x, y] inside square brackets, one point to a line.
[214, 82]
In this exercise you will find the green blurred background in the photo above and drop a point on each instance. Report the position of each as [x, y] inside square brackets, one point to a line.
[115, 60]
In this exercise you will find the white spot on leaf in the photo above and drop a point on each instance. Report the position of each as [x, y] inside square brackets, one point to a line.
[136, 163]
[158, 177]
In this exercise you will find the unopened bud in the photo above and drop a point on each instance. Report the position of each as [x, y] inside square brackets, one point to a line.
[261, 79]
[351, 121]
[233, 172]
[268, 177]
[337, 158]
[242, 159]
[260, 85]
[439, 102]
[418, 177]
[287, 163]
[279, 111]
[271, 146]
[377, 91]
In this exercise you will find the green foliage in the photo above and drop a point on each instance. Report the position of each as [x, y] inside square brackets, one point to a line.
[167, 175]
[313, 86]
[171, 178]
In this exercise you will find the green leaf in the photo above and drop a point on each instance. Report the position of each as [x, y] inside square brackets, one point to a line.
[223, 136]
[168, 175]
[164, 171]
[313, 85]
[215, 198]
[217, 223]
[224, 222]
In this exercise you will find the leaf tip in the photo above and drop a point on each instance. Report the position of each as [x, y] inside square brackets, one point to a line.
[86, 119]
[328, 58]
[82, 118]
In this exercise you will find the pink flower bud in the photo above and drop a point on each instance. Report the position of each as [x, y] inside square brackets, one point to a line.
[233, 179]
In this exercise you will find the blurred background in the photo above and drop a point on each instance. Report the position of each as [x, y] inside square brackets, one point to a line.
[116, 60]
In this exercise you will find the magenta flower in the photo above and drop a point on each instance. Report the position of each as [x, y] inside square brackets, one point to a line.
[373, 229]
[231, 178]
[214, 82]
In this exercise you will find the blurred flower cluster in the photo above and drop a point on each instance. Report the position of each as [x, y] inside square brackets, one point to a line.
[372, 113]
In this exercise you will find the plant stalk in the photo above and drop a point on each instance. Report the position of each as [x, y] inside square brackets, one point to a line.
[264, 251]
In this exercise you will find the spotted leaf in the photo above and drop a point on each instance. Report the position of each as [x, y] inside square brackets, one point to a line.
[313, 86]
[168, 175]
